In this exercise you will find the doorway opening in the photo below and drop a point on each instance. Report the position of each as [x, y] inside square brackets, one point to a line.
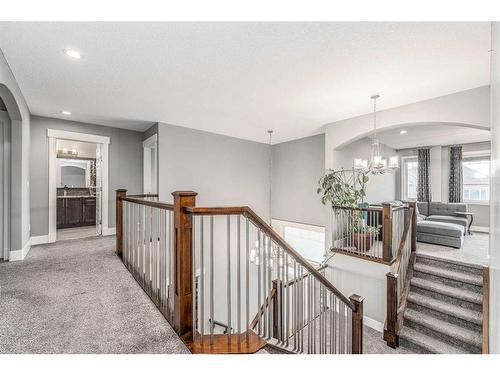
[78, 189]
[150, 167]
[78, 185]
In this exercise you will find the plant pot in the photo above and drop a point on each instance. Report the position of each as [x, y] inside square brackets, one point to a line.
[363, 241]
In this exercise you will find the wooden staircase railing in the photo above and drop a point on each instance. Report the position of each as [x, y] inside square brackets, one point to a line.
[350, 235]
[196, 263]
[398, 279]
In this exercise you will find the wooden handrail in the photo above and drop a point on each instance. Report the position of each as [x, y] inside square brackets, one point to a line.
[396, 265]
[267, 302]
[395, 304]
[143, 196]
[364, 209]
[266, 228]
[165, 206]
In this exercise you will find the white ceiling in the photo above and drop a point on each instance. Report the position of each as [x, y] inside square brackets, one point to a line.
[240, 79]
[432, 135]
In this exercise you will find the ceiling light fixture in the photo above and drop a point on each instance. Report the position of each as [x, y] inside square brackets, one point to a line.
[402, 132]
[377, 164]
[66, 113]
[72, 53]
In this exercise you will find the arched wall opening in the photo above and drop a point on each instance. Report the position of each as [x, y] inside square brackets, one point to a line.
[12, 176]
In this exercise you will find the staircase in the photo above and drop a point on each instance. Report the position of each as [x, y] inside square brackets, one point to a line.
[444, 310]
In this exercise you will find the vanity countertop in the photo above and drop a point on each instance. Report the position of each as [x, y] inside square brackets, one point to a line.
[76, 196]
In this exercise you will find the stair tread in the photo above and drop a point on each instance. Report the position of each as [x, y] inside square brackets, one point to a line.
[447, 290]
[445, 307]
[473, 267]
[452, 330]
[473, 279]
[429, 343]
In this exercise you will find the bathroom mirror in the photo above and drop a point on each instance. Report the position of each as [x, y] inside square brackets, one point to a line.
[76, 173]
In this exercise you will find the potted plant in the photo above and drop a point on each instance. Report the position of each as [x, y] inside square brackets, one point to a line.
[342, 188]
[363, 236]
[345, 189]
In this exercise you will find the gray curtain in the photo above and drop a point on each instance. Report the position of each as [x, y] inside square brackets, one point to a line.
[456, 181]
[423, 181]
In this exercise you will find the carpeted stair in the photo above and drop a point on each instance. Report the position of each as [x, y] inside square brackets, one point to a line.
[444, 308]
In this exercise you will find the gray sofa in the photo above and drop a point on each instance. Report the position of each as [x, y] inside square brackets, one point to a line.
[438, 224]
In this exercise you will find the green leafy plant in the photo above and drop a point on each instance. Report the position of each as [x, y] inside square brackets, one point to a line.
[342, 188]
[366, 229]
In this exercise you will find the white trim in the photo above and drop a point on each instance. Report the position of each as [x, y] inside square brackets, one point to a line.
[16, 255]
[104, 187]
[150, 142]
[403, 185]
[52, 188]
[39, 240]
[372, 323]
[108, 231]
[150, 145]
[475, 228]
[74, 136]
[104, 144]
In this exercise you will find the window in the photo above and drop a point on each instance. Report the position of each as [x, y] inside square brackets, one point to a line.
[476, 179]
[409, 177]
[308, 240]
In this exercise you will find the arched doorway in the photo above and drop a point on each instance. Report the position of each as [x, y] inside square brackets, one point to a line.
[10, 116]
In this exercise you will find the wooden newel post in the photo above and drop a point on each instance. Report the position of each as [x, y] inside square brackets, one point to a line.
[277, 304]
[183, 265]
[120, 193]
[413, 233]
[391, 336]
[357, 324]
[386, 232]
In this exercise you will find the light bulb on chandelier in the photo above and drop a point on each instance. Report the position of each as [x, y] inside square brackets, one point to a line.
[377, 164]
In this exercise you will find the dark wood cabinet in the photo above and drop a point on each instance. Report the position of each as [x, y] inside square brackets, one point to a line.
[89, 210]
[75, 211]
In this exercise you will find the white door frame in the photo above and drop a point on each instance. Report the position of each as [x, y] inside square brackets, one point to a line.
[6, 181]
[148, 145]
[54, 135]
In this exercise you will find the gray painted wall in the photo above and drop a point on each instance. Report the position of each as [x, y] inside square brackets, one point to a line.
[125, 165]
[297, 166]
[222, 170]
[20, 155]
[379, 188]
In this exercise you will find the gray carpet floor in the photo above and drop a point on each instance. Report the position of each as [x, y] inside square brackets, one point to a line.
[77, 297]
[473, 251]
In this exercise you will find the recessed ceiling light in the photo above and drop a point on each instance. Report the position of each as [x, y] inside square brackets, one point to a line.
[72, 53]
[67, 113]
[403, 132]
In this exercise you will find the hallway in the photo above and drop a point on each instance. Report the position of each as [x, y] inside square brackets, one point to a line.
[77, 297]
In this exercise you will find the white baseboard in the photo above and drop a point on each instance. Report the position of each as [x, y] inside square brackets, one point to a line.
[372, 323]
[20, 254]
[480, 229]
[39, 240]
[108, 231]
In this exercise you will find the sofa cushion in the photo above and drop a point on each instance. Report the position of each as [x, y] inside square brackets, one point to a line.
[445, 209]
[423, 208]
[421, 217]
[439, 228]
[440, 240]
[449, 219]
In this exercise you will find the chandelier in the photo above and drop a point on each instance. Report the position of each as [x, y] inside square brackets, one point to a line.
[377, 164]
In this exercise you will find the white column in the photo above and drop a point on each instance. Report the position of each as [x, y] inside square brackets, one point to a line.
[495, 192]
